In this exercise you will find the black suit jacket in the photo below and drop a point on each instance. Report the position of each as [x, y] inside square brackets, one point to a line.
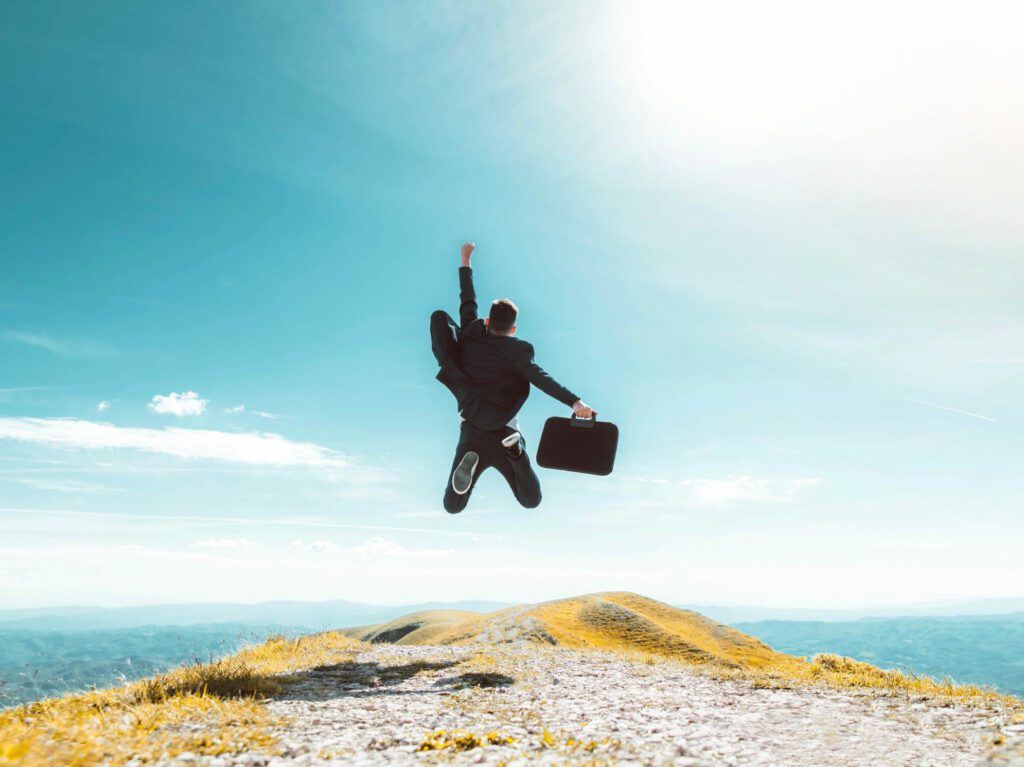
[496, 370]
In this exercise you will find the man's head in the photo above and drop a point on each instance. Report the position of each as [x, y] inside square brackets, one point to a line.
[502, 319]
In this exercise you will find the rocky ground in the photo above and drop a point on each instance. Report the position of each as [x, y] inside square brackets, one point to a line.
[526, 705]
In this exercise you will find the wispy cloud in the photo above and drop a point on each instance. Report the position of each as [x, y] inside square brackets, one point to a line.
[225, 544]
[254, 448]
[19, 389]
[70, 348]
[102, 406]
[239, 409]
[67, 485]
[954, 410]
[185, 404]
[910, 544]
[319, 547]
[179, 518]
[997, 361]
[378, 547]
[734, 488]
[375, 548]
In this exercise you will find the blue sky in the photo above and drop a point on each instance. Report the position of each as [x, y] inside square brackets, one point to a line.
[779, 248]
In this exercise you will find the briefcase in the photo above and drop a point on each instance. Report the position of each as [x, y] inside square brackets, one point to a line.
[578, 444]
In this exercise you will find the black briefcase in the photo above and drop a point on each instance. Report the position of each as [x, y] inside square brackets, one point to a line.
[578, 444]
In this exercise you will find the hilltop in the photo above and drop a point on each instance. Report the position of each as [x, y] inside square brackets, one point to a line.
[597, 679]
[616, 621]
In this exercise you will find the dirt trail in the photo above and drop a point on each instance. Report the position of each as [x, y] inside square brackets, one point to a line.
[555, 706]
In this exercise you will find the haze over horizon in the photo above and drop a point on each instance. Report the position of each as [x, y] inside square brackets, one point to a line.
[783, 255]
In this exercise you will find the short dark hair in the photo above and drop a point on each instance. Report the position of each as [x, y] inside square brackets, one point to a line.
[503, 315]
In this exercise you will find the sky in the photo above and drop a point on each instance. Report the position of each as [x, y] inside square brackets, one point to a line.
[779, 246]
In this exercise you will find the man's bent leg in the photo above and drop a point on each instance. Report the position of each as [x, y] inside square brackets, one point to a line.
[456, 502]
[453, 502]
[443, 338]
[445, 345]
[521, 477]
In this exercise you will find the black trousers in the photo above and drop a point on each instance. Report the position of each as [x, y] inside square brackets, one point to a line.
[487, 444]
[444, 340]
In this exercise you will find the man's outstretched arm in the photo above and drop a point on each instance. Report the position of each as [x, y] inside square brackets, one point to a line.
[536, 375]
[467, 296]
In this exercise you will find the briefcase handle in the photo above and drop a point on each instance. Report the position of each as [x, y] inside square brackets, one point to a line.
[583, 423]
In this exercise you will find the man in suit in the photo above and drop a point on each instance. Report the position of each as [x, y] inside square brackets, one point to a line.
[490, 371]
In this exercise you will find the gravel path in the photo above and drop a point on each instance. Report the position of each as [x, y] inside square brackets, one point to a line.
[525, 706]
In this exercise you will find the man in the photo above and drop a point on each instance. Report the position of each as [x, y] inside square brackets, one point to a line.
[490, 371]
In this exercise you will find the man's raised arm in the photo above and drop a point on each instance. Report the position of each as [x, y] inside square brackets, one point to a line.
[467, 296]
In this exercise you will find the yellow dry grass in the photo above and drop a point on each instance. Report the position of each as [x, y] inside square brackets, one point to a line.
[208, 708]
[614, 621]
[462, 740]
[621, 621]
[649, 632]
[839, 672]
[428, 627]
[216, 708]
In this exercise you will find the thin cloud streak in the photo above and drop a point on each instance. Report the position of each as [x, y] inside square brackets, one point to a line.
[19, 389]
[954, 410]
[254, 448]
[239, 520]
[72, 349]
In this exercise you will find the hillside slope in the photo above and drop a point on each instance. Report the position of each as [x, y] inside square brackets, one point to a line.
[591, 680]
[616, 621]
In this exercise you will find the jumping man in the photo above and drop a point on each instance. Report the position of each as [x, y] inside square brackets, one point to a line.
[490, 371]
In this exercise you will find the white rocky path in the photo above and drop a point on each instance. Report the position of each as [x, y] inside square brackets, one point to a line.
[526, 705]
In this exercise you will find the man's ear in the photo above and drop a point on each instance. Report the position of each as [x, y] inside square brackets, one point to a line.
[512, 330]
[487, 321]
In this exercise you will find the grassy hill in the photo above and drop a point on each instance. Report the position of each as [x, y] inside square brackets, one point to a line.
[218, 708]
[617, 621]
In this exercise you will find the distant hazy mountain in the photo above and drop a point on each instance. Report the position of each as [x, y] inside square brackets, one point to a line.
[983, 650]
[342, 613]
[980, 607]
[310, 615]
[48, 651]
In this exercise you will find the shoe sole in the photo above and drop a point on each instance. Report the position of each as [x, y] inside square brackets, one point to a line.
[462, 477]
[515, 445]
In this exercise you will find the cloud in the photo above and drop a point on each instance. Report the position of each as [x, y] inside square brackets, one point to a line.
[225, 544]
[238, 409]
[375, 548]
[179, 519]
[735, 488]
[320, 547]
[381, 547]
[179, 405]
[102, 406]
[72, 349]
[253, 448]
[67, 485]
[954, 410]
